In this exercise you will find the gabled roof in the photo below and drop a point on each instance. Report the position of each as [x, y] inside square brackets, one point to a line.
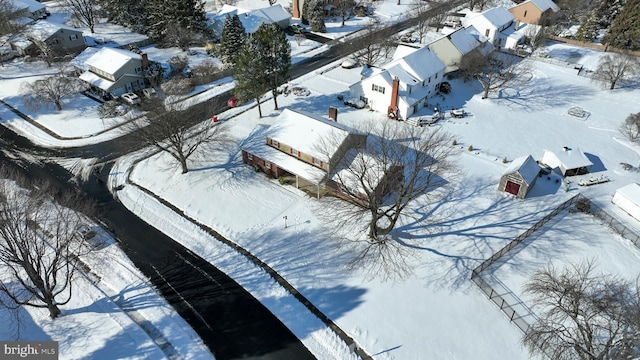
[570, 159]
[416, 66]
[273, 14]
[42, 30]
[32, 5]
[308, 133]
[111, 60]
[80, 60]
[544, 5]
[631, 192]
[497, 16]
[251, 19]
[526, 166]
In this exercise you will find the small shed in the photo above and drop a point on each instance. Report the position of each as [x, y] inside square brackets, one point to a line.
[627, 198]
[570, 161]
[520, 176]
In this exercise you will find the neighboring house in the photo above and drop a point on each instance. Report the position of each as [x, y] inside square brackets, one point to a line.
[570, 162]
[30, 8]
[520, 176]
[251, 19]
[535, 12]
[301, 146]
[402, 87]
[497, 24]
[627, 198]
[60, 38]
[113, 71]
[454, 46]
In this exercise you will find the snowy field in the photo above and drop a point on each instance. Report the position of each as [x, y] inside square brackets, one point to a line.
[437, 313]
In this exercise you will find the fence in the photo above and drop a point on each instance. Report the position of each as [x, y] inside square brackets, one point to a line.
[616, 225]
[593, 46]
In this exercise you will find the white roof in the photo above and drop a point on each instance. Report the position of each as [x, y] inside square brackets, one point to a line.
[570, 159]
[251, 19]
[96, 80]
[80, 60]
[356, 163]
[32, 5]
[273, 14]
[111, 60]
[631, 192]
[41, 30]
[526, 166]
[416, 66]
[497, 16]
[305, 132]
[544, 5]
[464, 41]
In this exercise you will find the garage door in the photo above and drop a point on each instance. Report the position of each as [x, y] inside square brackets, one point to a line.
[512, 188]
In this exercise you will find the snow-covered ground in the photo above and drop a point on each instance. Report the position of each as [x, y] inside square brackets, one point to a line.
[435, 313]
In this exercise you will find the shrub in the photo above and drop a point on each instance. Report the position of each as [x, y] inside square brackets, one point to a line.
[504, 160]
[110, 109]
[178, 63]
[282, 180]
[583, 204]
[177, 86]
[454, 143]
[470, 148]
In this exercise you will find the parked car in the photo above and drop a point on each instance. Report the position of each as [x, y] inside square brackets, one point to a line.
[356, 103]
[296, 28]
[149, 93]
[130, 98]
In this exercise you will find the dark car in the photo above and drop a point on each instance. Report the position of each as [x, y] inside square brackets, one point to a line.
[297, 28]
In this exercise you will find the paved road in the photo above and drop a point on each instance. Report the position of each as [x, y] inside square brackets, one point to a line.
[231, 322]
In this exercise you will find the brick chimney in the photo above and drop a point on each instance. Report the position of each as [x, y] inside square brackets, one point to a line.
[296, 9]
[333, 113]
[392, 110]
[145, 60]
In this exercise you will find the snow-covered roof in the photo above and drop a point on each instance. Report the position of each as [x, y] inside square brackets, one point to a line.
[111, 60]
[80, 60]
[288, 163]
[631, 192]
[273, 14]
[416, 66]
[569, 159]
[96, 81]
[40, 30]
[250, 19]
[308, 133]
[464, 41]
[497, 16]
[356, 163]
[32, 5]
[526, 166]
[544, 5]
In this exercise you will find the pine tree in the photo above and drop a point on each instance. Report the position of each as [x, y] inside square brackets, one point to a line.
[305, 11]
[274, 55]
[127, 13]
[248, 74]
[588, 30]
[316, 18]
[163, 14]
[233, 37]
[624, 32]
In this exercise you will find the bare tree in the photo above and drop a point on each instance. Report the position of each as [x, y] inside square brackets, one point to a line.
[614, 68]
[493, 72]
[85, 11]
[419, 9]
[39, 244]
[373, 45]
[50, 90]
[346, 9]
[9, 14]
[48, 52]
[181, 37]
[535, 36]
[171, 130]
[204, 73]
[583, 315]
[401, 166]
[631, 127]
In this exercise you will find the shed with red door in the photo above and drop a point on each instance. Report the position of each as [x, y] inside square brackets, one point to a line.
[520, 176]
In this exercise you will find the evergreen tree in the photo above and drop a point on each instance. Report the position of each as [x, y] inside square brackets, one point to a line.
[607, 11]
[233, 37]
[273, 52]
[248, 74]
[127, 13]
[588, 30]
[163, 14]
[624, 32]
[316, 18]
[305, 11]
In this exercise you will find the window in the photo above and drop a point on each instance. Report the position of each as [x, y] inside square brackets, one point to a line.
[267, 164]
[138, 70]
[249, 157]
[295, 152]
[429, 79]
[73, 37]
[486, 33]
[377, 88]
[525, 14]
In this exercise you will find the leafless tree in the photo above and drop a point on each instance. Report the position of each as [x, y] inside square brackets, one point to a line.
[50, 90]
[171, 130]
[9, 14]
[494, 72]
[177, 85]
[582, 314]
[39, 244]
[535, 36]
[178, 63]
[631, 127]
[437, 13]
[84, 11]
[47, 52]
[346, 9]
[402, 166]
[204, 73]
[373, 45]
[181, 37]
[419, 10]
[614, 68]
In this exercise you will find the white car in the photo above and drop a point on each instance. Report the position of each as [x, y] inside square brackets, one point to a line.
[130, 98]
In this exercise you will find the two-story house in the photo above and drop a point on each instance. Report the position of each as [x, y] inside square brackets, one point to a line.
[115, 71]
[301, 146]
[497, 24]
[535, 12]
[250, 19]
[59, 38]
[402, 87]
[453, 47]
